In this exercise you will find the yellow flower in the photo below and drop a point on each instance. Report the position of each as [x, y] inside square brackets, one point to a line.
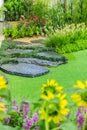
[51, 87]
[57, 118]
[2, 81]
[54, 105]
[55, 109]
[2, 107]
[80, 85]
[48, 96]
[80, 97]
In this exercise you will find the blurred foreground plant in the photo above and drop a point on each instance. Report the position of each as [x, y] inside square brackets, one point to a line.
[54, 104]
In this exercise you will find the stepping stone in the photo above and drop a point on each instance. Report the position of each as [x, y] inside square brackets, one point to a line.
[24, 69]
[49, 54]
[19, 50]
[39, 62]
[38, 41]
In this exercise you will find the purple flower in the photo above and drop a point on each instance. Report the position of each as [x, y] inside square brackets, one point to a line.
[26, 110]
[28, 123]
[78, 112]
[7, 120]
[1, 98]
[37, 128]
[7, 25]
[80, 120]
[15, 108]
[85, 111]
[14, 105]
[13, 102]
[35, 118]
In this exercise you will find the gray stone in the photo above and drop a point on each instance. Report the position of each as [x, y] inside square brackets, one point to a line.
[19, 43]
[22, 51]
[24, 69]
[49, 54]
[38, 41]
[39, 62]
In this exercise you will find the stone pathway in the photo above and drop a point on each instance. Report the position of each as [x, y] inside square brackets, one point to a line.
[33, 41]
[31, 61]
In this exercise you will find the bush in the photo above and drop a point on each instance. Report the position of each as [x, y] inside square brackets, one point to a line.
[70, 38]
[17, 8]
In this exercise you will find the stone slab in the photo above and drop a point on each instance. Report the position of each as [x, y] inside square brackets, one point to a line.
[24, 69]
[39, 62]
[37, 41]
[49, 54]
[22, 51]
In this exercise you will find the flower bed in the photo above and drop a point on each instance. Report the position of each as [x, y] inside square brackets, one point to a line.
[51, 111]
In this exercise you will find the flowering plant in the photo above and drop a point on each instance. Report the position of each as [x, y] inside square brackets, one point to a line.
[53, 109]
[54, 104]
[3, 97]
[20, 116]
[12, 115]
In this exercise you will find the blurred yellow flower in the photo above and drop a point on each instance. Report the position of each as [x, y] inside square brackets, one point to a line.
[2, 83]
[48, 96]
[80, 85]
[2, 106]
[52, 87]
[80, 97]
[54, 105]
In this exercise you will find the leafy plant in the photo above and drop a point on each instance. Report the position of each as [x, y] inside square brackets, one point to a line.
[16, 8]
[70, 38]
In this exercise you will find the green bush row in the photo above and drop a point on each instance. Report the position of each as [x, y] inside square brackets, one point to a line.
[24, 31]
[57, 13]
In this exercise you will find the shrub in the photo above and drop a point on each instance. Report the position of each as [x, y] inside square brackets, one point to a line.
[17, 8]
[70, 38]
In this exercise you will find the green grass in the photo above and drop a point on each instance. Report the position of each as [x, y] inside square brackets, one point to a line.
[66, 75]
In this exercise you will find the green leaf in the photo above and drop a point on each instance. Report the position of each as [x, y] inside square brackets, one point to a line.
[69, 126]
[4, 127]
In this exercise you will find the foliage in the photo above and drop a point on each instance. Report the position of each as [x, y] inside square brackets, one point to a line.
[20, 116]
[40, 8]
[4, 97]
[27, 27]
[52, 107]
[53, 104]
[70, 38]
[12, 115]
[16, 8]
[55, 16]
[56, 13]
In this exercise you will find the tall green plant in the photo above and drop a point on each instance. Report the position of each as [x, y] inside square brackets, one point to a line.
[56, 15]
[40, 8]
[17, 8]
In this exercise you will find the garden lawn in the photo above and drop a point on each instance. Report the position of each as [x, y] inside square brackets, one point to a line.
[66, 75]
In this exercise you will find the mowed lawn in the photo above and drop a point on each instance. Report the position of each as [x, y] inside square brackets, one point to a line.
[66, 75]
